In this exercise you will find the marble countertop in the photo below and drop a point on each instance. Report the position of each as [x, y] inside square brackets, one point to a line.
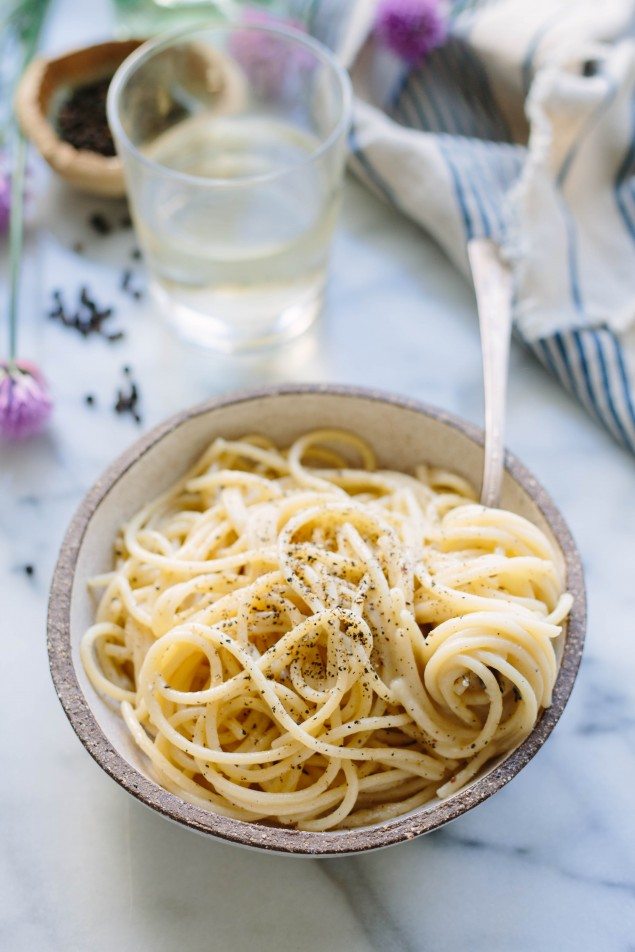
[547, 864]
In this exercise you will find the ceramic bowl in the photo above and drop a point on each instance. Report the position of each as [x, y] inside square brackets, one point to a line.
[403, 434]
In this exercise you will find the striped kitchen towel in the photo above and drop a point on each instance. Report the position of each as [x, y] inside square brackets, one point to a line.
[521, 127]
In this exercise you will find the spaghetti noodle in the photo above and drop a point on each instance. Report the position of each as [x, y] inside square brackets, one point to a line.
[297, 639]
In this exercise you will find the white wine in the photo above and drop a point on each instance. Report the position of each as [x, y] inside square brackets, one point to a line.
[233, 140]
[236, 248]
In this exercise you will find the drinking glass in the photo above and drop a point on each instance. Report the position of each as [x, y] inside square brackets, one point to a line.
[233, 141]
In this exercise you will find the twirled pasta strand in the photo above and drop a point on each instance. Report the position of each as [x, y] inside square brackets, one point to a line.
[294, 638]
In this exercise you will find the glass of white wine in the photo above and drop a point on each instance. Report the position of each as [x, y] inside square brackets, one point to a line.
[233, 140]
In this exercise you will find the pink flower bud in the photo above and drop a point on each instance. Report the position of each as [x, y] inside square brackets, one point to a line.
[410, 28]
[25, 402]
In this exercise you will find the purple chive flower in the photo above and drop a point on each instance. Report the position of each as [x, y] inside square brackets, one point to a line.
[410, 28]
[265, 57]
[25, 403]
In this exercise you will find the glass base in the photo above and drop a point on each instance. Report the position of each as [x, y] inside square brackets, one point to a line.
[227, 329]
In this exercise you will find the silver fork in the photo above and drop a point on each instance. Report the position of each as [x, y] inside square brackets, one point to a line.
[493, 286]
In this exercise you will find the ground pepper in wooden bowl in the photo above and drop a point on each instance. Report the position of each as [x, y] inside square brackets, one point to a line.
[82, 120]
[61, 107]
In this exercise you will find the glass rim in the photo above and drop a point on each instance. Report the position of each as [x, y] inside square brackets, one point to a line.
[157, 44]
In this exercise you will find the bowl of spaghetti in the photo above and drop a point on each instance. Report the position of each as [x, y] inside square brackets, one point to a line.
[283, 619]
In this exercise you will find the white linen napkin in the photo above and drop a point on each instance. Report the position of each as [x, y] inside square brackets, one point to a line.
[521, 127]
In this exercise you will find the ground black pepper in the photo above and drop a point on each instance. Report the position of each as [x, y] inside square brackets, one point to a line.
[82, 120]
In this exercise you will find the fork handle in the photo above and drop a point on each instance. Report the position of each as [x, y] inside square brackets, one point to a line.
[493, 286]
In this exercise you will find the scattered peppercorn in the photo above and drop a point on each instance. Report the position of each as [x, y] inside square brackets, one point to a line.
[29, 569]
[89, 399]
[135, 254]
[87, 319]
[128, 397]
[99, 223]
[126, 285]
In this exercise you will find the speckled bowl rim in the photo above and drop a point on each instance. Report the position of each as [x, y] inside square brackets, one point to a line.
[276, 839]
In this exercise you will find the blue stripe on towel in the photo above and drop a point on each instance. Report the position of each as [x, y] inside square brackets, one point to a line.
[415, 108]
[550, 355]
[393, 102]
[623, 435]
[588, 382]
[445, 97]
[467, 106]
[594, 394]
[527, 65]
[481, 171]
[621, 395]
[566, 374]
[590, 363]
[438, 110]
[499, 166]
[489, 170]
[624, 188]
[623, 376]
[542, 351]
[599, 380]
[459, 190]
[488, 101]
[486, 168]
[430, 112]
[369, 171]
[464, 161]
[423, 107]
[459, 92]
[458, 154]
[572, 254]
[561, 180]
[590, 123]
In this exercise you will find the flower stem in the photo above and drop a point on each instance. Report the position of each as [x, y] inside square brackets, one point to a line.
[16, 237]
[21, 25]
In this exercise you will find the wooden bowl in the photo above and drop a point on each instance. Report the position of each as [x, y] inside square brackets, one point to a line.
[208, 72]
[39, 92]
[403, 434]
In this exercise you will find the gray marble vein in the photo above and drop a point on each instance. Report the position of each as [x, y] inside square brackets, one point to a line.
[368, 904]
